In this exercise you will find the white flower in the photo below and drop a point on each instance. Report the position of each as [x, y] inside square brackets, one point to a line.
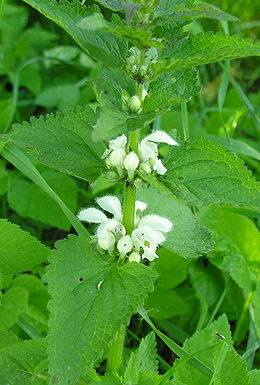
[134, 257]
[124, 245]
[149, 235]
[115, 153]
[148, 150]
[109, 230]
[131, 161]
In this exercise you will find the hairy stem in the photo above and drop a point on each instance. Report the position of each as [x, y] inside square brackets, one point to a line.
[114, 360]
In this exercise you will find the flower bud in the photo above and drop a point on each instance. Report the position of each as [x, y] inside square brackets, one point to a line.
[134, 104]
[124, 245]
[131, 161]
[134, 257]
[144, 94]
[107, 242]
[116, 158]
[145, 167]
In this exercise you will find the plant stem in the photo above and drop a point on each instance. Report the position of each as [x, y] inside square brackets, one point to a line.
[242, 317]
[185, 122]
[114, 358]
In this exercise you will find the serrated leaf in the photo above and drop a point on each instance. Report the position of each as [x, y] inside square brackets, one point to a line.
[99, 45]
[19, 251]
[29, 201]
[146, 354]
[13, 303]
[203, 345]
[86, 316]
[254, 376]
[190, 10]
[204, 48]
[237, 245]
[62, 141]
[205, 173]
[187, 238]
[233, 370]
[139, 37]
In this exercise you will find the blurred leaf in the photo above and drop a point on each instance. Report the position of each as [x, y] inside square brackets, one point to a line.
[98, 44]
[28, 200]
[13, 303]
[63, 96]
[19, 251]
[236, 146]
[237, 245]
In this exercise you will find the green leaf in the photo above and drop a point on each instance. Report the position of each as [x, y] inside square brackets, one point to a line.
[139, 37]
[254, 376]
[165, 304]
[204, 48]
[187, 238]
[233, 370]
[99, 45]
[203, 345]
[3, 178]
[207, 282]
[29, 201]
[237, 146]
[205, 173]
[171, 10]
[237, 245]
[13, 303]
[62, 96]
[62, 141]
[256, 304]
[88, 290]
[19, 251]
[169, 276]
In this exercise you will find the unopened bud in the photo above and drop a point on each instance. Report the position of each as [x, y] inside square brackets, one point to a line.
[116, 158]
[124, 245]
[131, 161]
[134, 104]
[107, 243]
[146, 168]
[134, 257]
[144, 94]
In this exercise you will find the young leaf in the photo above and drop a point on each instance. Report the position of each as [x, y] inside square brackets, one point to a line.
[29, 200]
[92, 299]
[62, 141]
[19, 251]
[237, 245]
[187, 238]
[204, 48]
[205, 173]
[203, 345]
[99, 45]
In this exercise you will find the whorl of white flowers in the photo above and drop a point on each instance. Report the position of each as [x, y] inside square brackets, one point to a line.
[111, 235]
[146, 159]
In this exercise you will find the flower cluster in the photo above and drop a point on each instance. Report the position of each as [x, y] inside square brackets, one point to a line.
[146, 159]
[111, 235]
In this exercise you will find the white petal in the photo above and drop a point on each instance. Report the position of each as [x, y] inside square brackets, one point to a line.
[92, 215]
[161, 137]
[156, 222]
[144, 234]
[116, 158]
[134, 257]
[148, 150]
[112, 205]
[139, 205]
[117, 143]
[106, 227]
[159, 167]
[125, 244]
[107, 243]
[149, 253]
[131, 161]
